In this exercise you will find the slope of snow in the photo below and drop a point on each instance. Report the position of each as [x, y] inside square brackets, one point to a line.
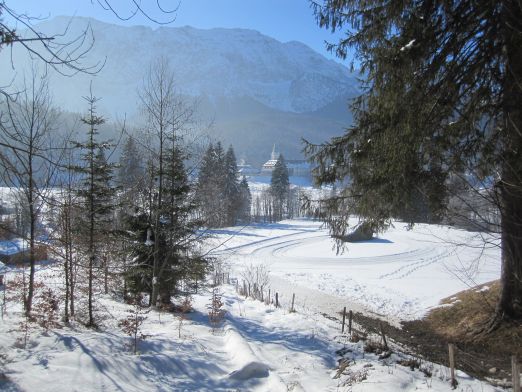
[257, 348]
[400, 274]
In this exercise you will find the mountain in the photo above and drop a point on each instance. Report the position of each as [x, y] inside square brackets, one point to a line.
[258, 91]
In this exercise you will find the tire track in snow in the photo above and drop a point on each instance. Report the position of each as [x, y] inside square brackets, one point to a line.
[280, 249]
[384, 280]
[255, 244]
[372, 297]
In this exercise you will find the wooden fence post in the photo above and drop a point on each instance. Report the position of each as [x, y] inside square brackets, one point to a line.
[277, 300]
[293, 300]
[269, 297]
[344, 319]
[515, 373]
[451, 351]
[350, 317]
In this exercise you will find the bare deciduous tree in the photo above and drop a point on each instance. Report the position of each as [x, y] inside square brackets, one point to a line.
[25, 127]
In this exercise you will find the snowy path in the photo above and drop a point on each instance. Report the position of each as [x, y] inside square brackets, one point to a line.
[258, 348]
[399, 275]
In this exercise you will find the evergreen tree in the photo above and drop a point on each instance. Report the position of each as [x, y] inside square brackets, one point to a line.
[174, 238]
[441, 97]
[97, 194]
[211, 187]
[165, 251]
[218, 184]
[130, 173]
[206, 190]
[181, 226]
[231, 187]
[104, 190]
[245, 201]
[139, 239]
[279, 187]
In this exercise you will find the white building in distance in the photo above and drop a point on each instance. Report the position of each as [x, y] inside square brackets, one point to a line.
[269, 165]
[296, 167]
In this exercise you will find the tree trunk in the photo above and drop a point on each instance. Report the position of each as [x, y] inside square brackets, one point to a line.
[32, 257]
[66, 274]
[32, 231]
[124, 273]
[157, 221]
[510, 301]
[65, 223]
[72, 275]
[69, 249]
[90, 299]
[105, 274]
[92, 217]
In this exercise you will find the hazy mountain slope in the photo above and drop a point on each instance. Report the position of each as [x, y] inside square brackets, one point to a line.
[259, 91]
[253, 128]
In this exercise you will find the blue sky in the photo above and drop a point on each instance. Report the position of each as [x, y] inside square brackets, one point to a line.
[285, 20]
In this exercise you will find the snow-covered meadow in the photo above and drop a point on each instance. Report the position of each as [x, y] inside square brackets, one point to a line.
[400, 274]
[256, 348]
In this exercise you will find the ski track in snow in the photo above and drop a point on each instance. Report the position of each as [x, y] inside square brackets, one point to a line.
[258, 348]
[400, 275]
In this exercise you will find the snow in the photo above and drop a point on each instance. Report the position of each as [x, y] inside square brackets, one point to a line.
[259, 347]
[400, 275]
[260, 182]
[238, 62]
[408, 46]
[13, 247]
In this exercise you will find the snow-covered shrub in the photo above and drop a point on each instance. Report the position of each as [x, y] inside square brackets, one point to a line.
[257, 277]
[216, 313]
[184, 308]
[46, 309]
[131, 325]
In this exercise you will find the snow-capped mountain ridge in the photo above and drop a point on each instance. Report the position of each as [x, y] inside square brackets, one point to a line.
[254, 89]
[216, 62]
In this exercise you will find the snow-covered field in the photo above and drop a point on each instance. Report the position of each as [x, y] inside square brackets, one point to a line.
[256, 348]
[400, 274]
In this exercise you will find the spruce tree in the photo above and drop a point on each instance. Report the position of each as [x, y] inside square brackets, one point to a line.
[212, 181]
[130, 172]
[441, 97]
[179, 224]
[245, 201]
[97, 194]
[218, 184]
[206, 188]
[170, 236]
[231, 187]
[174, 238]
[279, 188]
